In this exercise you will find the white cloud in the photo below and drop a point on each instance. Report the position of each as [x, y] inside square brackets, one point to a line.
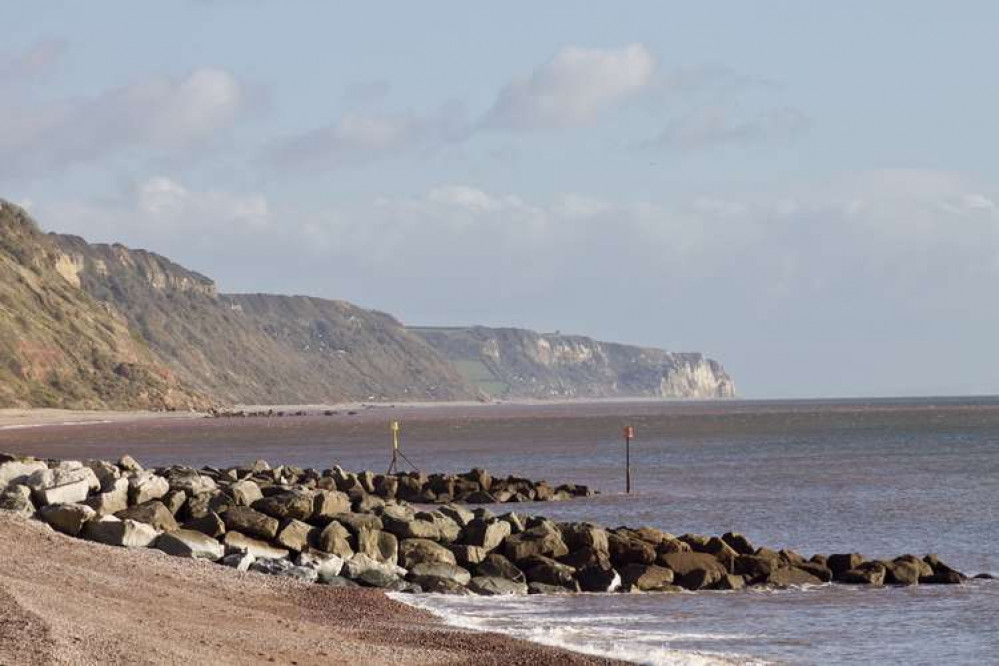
[360, 137]
[573, 88]
[157, 115]
[163, 215]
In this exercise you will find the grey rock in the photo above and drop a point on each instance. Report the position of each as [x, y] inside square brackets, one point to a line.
[497, 566]
[357, 521]
[382, 546]
[67, 518]
[251, 522]
[191, 544]
[449, 530]
[541, 540]
[112, 499]
[325, 564]
[579, 535]
[128, 464]
[694, 571]
[626, 550]
[458, 514]
[410, 528]
[731, 582]
[146, 486]
[106, 473]
[423, 572]
[467, 555]
[335, 538]
[210, 524]
[113, 531]
[496, 586]
[17, 470]
[239, 561]
[152, 513]
[840, 563]
[540, 569]
[245, 492]
[295, 504]
[788, 576]
[416, 551]
[949, 578]
[336, 581]
[191, 482]
[237, 542]
[868, 573]
[487, 534]
[328, 503]
[285, 569]
[596, 578]
[544, 588]
[17, 503]
[646, 577]
[295, 535]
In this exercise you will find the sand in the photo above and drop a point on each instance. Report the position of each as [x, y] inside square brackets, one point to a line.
[68, 601]
[15, 418]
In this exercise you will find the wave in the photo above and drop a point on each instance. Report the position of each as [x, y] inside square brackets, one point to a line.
[611, 635]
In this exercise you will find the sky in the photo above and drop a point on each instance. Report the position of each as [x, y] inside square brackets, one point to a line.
[804, 191]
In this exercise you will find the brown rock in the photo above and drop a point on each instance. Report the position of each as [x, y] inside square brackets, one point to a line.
[152, 513]
[250, 521]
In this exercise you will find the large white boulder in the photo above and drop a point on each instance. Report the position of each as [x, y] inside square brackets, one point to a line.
[115, 532]
[190, 543]
[17, 470]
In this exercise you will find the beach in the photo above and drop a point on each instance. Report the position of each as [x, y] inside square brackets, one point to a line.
[878, 477]
[66, 601]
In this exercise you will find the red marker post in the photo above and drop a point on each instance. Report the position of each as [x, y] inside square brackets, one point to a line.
[629, 434]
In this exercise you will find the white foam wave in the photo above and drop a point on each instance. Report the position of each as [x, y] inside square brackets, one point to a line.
[596, 635]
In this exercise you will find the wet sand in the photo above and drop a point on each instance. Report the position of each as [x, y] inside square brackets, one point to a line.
[16, 419]
[66, 601]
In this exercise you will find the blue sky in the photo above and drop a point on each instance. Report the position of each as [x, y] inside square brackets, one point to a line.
[805, 192]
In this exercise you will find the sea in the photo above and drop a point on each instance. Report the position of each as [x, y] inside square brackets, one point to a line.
[879, 477]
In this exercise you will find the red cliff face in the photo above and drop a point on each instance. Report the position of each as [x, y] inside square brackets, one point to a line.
[61, 348]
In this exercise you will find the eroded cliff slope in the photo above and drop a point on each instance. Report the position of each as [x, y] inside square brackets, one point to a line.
[59, 347]
[259, 348]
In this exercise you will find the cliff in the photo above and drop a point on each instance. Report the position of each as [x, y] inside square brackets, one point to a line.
[105, 326]
[258, 348]
[59, 347]
[511, 362]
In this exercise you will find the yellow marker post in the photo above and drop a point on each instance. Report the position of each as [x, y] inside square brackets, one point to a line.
[396, 452]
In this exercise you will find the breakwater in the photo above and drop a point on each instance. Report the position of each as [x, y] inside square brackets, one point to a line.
[408, 532]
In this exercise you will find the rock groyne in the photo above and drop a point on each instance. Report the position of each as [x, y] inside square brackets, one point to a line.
[407, 532]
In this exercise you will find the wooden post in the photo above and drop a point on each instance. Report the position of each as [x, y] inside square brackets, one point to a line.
[629, 432]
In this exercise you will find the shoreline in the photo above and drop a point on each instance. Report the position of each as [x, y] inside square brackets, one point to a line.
[30, 417]
[18, 418]
[144, 605]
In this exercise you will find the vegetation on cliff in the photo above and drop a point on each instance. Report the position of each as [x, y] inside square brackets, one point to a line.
[61, 348]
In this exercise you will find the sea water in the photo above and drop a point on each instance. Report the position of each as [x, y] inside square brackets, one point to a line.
[882, 478]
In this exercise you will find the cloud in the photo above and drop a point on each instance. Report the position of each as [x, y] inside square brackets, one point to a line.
[359, 137]
[161, 214]
[156, 115]
[868, 281]
[915, 236]
[719, 126]
[572, 89]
